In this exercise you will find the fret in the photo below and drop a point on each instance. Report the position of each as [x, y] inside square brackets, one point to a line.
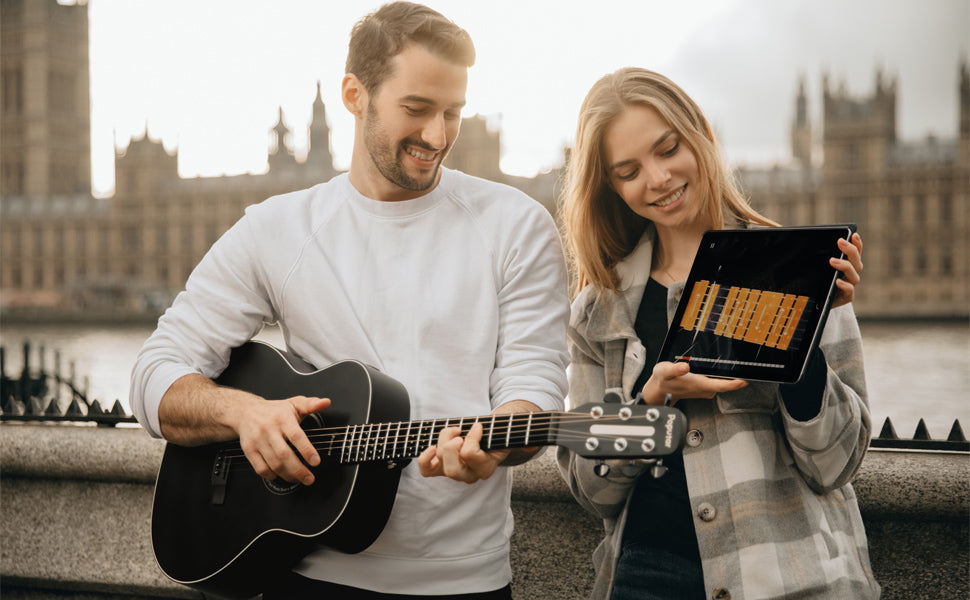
[784, 309]
[767, 306]
[689, 320]
[793, 320]
[373, 438]
[362, 443]
[431, 434]
[417, 440]
[528, 429]
[508, 431]
[407, 441]
[707, 306]
[730, 305]
[491, 430]
[380, 441]
[749, 306]
[343, 445]
[351, 432]
[364, 446]
[742, 299]
[397, 434]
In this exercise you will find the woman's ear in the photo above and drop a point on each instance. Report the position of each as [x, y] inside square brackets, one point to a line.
[353, 94]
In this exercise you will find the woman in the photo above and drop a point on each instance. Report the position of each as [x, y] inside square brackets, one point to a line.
[758, 504]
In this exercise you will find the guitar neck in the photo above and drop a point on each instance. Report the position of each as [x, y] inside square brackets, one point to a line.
[407, 439]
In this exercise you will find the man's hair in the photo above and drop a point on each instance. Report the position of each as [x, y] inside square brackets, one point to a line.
[380, 36]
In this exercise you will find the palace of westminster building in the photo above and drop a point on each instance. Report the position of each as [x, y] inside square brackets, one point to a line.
[65, 252]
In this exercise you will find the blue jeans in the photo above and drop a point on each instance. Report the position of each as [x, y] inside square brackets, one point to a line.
[647, 573]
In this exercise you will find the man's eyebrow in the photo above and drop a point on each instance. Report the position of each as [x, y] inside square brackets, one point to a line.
[653, 147]
[424, 100]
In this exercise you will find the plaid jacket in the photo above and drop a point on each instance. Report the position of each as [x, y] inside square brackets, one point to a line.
[775, 514]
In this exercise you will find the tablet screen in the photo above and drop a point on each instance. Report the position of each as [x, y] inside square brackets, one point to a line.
[755, 302]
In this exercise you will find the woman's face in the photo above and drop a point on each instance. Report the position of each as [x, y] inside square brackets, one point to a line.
[651, 168]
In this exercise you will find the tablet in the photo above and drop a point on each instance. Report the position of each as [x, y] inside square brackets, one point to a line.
[756, 301]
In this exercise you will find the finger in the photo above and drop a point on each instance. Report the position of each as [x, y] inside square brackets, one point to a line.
[283, 460]
[297, 437]
[447, 434]
[449, 451]
[729, 385]
[259, 464]
[669, 370]
[482, 464]
[428, 463]
[473, 439]
[852, 251]
[308, 406]
[848, 270]
[846, 292]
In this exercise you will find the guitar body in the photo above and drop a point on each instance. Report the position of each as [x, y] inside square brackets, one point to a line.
[221, 528]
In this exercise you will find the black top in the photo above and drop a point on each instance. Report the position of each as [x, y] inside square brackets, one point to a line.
[659, 514]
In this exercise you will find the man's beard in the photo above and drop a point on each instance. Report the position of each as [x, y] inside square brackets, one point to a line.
[387, 160]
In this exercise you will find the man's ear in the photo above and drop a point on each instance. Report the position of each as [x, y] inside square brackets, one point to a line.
[353, 94]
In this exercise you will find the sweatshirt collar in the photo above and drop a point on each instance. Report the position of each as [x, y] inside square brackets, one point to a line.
[403, 208]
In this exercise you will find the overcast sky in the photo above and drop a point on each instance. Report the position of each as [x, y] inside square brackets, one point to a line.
[208, 77]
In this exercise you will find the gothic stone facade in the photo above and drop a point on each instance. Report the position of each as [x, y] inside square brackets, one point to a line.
[911, 200]
[61, 249]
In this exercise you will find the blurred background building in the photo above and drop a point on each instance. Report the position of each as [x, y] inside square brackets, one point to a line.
[66, 252]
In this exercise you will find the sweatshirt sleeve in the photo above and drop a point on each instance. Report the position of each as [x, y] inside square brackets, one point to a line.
[828, 448]
[223, 305]
[533, 307]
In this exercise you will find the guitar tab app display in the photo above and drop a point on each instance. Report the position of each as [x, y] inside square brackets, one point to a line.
[755, 302]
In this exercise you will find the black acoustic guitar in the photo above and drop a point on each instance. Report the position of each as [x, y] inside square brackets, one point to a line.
[219, 527]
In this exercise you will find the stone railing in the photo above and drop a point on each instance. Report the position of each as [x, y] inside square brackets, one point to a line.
[76, 505]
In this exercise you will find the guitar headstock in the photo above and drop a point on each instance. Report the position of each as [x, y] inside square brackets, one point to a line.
[615, 430]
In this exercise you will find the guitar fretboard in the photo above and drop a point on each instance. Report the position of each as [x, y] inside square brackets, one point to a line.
[407, 439]
[765, 318]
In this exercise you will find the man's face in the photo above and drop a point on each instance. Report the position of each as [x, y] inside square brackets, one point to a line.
[411, 123]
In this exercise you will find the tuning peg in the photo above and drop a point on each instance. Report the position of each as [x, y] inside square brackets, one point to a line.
[658, 470]
[601, 469]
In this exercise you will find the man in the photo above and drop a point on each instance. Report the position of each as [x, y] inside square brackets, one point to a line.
[450, 284]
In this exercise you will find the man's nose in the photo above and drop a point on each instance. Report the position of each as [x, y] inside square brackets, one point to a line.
[435, 132]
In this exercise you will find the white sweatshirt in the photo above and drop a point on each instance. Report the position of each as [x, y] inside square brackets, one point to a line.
[459, 294]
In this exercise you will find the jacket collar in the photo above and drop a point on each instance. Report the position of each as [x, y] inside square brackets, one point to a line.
[601, 315]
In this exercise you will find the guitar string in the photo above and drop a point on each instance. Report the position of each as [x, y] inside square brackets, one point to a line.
[372, 441]
[540, 424]
[364, 454]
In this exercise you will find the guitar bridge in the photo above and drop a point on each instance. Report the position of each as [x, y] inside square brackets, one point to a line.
[220, 477]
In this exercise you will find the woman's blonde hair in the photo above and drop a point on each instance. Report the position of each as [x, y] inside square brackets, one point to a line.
[600, 228]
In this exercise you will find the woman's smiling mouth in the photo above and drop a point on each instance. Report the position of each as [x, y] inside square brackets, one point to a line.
[670, 199]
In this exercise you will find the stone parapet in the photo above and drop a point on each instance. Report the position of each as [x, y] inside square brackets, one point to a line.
[76, 507]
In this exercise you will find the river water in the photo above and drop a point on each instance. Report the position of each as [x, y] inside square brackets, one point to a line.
[913, 370]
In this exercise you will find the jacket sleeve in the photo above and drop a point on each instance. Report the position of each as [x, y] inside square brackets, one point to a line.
[606, 496]
[828, 449]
